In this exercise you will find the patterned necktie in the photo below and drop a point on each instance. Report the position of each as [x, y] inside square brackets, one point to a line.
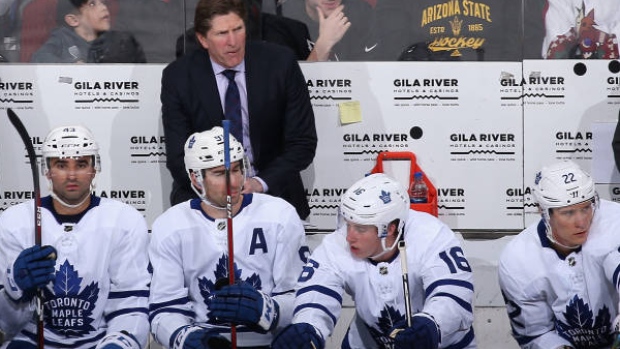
[232, 106]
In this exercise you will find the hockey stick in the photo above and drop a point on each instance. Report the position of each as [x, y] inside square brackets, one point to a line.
[403, 265]
[229, 222]
[32, 157]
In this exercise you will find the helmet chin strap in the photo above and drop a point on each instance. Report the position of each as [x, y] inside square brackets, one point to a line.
[388, 249]
[555, 241]
[202, 193]
[552, 238]
[62, 202]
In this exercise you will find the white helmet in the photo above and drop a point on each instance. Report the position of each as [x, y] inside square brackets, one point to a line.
[205, 150]
[376, 200]
[559, 185]
[70, 142]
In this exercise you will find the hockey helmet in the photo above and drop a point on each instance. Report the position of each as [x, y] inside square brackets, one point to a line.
[562, 184]
[205, 150]
[70, 142]
[559, 185]
[376, 200]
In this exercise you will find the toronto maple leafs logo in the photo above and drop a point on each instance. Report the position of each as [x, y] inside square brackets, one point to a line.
[389, 318]
[68, 310]
[385, 197]
[209, 286]
[538, 177]
[581, 328]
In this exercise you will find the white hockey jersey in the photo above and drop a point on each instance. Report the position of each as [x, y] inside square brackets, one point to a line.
[102, 278]
[189, 253]
[553, 300]
[440, 284]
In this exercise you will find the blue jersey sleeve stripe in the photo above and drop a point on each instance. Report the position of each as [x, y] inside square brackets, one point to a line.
[125, 311]
[615, 278]
[183, 312]
[316, 306]
[465, 305]
[179, 301]
[448, 282]
[127, 294]
[517, 323]
[322, 290]
[464, 342]
[522, 340]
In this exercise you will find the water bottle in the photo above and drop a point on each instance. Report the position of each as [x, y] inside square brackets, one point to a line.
[418, 191]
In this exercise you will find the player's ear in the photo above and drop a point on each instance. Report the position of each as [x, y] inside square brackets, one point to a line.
[196, 178]
[72, 20]
[202, 39]
[393, 227]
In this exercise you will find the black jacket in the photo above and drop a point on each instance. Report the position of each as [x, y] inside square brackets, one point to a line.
[65, 46]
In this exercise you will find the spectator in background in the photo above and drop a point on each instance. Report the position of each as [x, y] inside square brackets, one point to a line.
[340, 30]
[559, 277]
[432, 30]
[83, 36]
[278, 129]
[580, 29]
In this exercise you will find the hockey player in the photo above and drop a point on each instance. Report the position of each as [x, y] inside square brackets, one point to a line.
[361, 258]
[559, 277]
[93, 262]
[192, 304]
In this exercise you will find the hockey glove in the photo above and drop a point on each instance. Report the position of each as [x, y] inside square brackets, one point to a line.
[242, 304]
[299, 336]
[423, 333]
[118, 340]
[33, 268]
[197, 337]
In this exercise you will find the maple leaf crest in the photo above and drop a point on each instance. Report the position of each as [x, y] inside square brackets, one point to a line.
[208, 286]
[387, 320]
[581, 328]
[68, 309]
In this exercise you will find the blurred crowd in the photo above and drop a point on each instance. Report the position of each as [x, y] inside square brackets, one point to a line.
[159, 31]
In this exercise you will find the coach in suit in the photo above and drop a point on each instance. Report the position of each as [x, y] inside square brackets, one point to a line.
[279, 132]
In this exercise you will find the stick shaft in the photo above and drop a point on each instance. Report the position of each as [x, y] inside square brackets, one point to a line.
[403, 265]
[32, 157]
[229, 222]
